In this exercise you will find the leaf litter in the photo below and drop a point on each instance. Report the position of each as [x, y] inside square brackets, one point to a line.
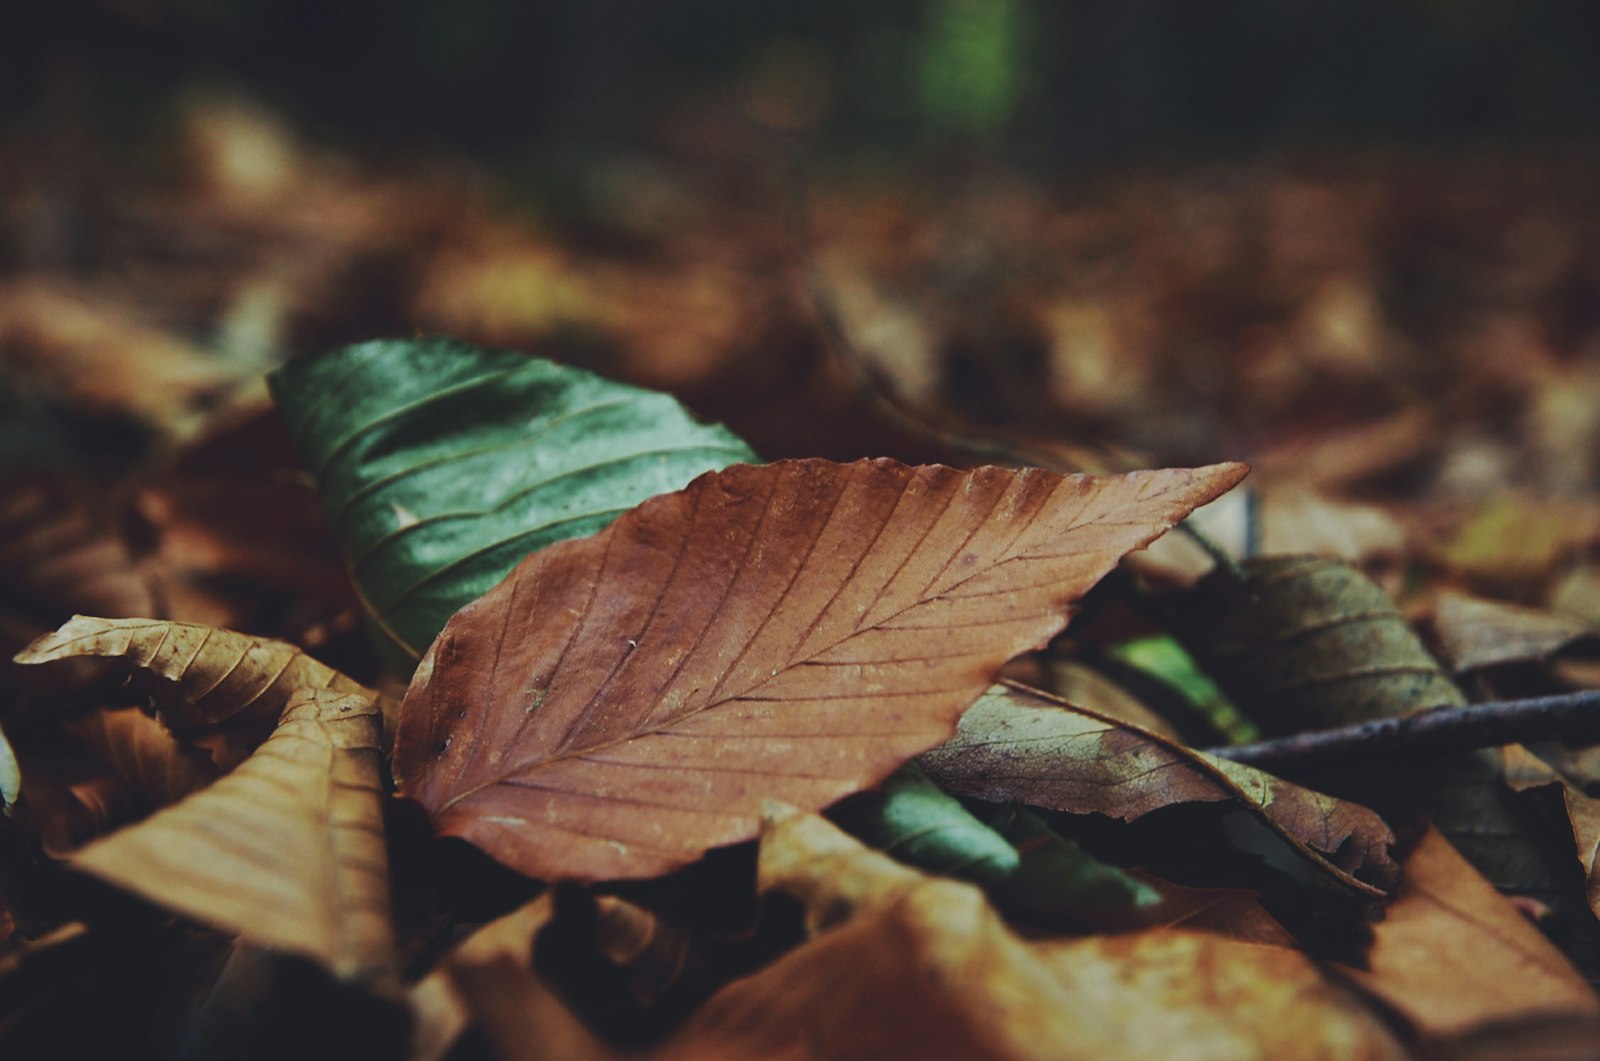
[1449, 955]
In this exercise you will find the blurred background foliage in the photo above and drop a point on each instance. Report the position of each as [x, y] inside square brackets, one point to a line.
[1043, 83]
[1353, 242]
[1356, 243]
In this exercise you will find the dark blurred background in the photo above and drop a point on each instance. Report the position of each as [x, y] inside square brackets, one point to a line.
[1353, 242]
[1193, 230]
[1042, 83]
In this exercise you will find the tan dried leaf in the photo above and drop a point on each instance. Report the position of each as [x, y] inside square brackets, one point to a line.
[489, 981]
[924, 968]
[1018, 743]
[1525, 771]
[796, 630]
[1453, 953]
[1482, 633]
[287, 850]
[207, 678]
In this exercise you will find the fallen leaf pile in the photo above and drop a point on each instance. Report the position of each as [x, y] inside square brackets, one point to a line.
[421, 699]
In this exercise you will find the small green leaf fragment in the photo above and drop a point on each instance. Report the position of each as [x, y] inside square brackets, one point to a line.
[1031, 872]
[1164, 659]
[1057, 883]
[912, 819]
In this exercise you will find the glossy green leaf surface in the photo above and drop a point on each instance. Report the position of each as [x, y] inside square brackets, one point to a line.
[1029, 870]
[909, 817]
[442, 464]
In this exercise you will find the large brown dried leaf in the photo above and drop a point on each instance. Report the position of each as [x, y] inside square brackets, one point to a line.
[287, 850]
[1017, 743]
[209, 678]
[796, 630]
[1453, 953]
[919, 967]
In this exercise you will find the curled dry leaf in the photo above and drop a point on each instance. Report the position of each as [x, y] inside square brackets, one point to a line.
[1017, 743]
[208, 679]
[287, 850]
[795, 631]
[141, 754]
[1452, 953]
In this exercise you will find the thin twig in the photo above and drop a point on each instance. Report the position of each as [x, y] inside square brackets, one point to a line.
[1570, 717]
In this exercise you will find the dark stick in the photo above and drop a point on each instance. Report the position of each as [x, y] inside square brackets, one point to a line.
[1570, 717]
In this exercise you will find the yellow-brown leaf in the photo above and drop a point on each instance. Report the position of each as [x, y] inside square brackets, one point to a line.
[208, 678]
[288, 850]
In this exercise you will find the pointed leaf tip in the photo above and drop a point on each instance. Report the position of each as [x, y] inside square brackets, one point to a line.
[791, 631]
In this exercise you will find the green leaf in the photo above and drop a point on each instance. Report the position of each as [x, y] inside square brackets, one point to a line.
[909, 817]
[1030, 871]
[1058, 884]
[441, 465]
[1163, 658]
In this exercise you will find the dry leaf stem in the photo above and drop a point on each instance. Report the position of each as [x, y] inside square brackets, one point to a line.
[1569, 717]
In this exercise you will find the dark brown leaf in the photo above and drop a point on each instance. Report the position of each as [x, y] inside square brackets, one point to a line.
[796, 630]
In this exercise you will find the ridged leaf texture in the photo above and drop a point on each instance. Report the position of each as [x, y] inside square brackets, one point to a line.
[288, 850]
[200, 677]
[796, 630]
